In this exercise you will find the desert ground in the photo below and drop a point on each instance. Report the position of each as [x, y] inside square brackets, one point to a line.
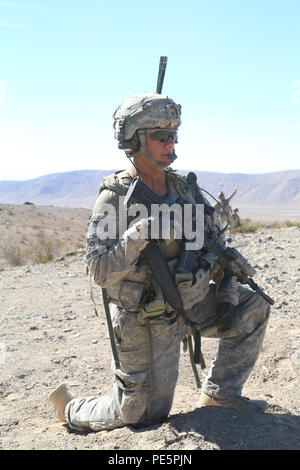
[49, 334]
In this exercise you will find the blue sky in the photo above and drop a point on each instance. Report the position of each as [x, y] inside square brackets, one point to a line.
[234, 66]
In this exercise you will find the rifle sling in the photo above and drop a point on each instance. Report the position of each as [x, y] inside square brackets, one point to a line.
[110, 329]
[165, 280]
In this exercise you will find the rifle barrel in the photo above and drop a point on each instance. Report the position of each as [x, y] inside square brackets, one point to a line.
[257, 289]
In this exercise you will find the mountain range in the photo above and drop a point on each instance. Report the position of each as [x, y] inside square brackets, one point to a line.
[277, 191]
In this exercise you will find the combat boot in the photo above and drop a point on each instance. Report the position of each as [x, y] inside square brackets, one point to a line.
[237, 403]
[59, 398]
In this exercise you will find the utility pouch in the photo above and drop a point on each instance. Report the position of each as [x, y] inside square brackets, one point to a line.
[152, 309]
[130, 294]
[192, 288]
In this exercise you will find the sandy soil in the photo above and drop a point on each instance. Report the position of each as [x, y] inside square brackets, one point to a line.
[31, 232]
[50, 335]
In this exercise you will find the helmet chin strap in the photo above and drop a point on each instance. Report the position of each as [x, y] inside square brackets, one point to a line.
[143, 151]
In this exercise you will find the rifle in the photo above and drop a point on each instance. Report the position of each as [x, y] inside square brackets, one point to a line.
[230, 259]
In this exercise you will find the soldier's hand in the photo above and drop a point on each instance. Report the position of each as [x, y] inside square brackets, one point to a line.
[142, 228]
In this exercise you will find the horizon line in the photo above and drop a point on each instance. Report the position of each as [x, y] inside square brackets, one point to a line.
[112, 170]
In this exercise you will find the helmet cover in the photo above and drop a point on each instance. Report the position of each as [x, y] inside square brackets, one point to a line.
[145, 111]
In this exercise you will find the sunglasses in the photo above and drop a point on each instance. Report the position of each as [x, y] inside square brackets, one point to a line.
[164, 135]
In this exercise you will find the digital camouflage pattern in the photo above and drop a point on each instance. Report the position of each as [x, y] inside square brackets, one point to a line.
[117, 263]
[145, 111]
[223, 205]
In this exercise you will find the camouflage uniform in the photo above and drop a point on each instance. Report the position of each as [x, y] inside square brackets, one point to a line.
[227, 208]
[236, 218]
[119, 266]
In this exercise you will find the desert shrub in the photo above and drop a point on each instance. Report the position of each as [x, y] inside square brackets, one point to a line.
[274, 224]
[246, 227]
[80, 251]
[40, 233]
[44, 251]
[288, 223]
[246, 221]
[13, 254]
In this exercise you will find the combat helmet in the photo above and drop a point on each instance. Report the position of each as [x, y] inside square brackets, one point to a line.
[140, 112]
[221, 194]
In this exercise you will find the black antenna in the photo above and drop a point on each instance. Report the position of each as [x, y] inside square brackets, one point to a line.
[161, 73]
